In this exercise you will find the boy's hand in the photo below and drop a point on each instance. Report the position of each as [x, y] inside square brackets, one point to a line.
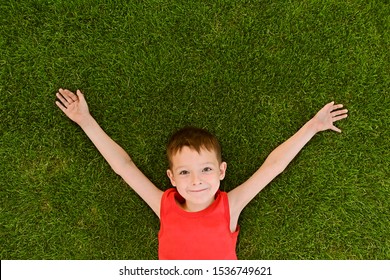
[329, 114]
[73, 105]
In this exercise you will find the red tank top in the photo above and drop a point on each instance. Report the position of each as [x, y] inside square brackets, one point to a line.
[195, 235]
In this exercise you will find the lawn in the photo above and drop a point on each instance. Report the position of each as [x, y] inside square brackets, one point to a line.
[252, 72]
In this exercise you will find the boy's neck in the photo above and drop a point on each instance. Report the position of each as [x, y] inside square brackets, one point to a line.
[193, 207]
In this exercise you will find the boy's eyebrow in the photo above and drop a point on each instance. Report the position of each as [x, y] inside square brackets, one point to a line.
[185, 166]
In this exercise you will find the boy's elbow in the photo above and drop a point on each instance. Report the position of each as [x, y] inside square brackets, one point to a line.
[278, 169]
[276, 166]
[123, 167]
[117, 170]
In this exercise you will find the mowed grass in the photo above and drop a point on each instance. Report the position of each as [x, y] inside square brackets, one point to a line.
[252, 72]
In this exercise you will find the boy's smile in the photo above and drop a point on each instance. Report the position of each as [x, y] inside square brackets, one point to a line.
[196, 177]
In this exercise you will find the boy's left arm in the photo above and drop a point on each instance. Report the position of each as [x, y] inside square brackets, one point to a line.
[279, 158]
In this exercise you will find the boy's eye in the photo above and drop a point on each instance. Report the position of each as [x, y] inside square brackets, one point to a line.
[207, 169]
[183, 172]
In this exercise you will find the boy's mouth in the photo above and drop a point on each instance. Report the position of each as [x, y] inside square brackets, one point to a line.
[198, 190]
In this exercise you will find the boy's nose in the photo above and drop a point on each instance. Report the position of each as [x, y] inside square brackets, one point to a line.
[195, 180]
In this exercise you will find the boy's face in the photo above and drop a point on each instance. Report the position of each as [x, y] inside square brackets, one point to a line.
[196, 177]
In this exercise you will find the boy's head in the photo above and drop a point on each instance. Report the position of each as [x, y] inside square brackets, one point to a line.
[195, 167]
[195, 139]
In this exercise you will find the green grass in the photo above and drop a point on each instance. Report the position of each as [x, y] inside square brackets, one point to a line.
[252, 72]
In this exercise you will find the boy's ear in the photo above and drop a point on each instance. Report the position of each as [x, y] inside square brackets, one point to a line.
[171, 177]
[222, 170]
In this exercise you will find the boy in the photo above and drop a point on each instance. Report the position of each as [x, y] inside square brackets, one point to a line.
[198, 221]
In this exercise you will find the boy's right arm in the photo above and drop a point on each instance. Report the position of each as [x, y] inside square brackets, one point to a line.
[75, 107]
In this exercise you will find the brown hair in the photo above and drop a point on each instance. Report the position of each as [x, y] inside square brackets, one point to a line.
[194, 138]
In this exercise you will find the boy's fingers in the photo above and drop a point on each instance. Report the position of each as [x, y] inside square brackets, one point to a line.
[61, 106]
[339, 112]
[61, 97]
[72, 96]
[68, 95]
[335, 129]
[329, 107]
[80, 95]
[335, 119]
[337, 106]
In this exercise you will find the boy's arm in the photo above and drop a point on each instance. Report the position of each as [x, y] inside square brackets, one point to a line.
[279, 158]
[76, 108]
